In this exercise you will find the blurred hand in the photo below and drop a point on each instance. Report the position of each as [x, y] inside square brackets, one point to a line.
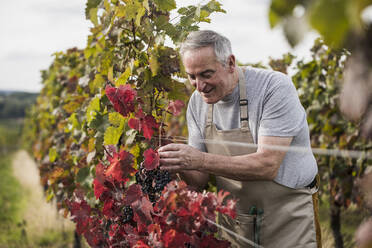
[178, 157]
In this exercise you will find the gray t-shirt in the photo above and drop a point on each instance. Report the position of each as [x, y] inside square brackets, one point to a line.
[274, 109]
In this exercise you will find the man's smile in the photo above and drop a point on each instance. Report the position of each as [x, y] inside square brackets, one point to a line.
[207, 91]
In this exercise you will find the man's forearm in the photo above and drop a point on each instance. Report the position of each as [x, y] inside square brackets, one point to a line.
[254, 166]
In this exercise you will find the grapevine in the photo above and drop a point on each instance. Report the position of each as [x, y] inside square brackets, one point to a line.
[99, 119]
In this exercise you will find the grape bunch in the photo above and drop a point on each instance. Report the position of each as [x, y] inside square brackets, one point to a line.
[152, 182]
[128, 214]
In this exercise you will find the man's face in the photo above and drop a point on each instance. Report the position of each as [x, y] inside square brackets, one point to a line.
[213, 80]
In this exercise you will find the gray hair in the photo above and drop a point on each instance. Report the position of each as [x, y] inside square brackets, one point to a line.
[208, 38]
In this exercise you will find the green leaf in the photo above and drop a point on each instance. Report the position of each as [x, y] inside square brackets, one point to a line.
[166, 5]
[93, 107]
[178, 91]
[124, 77]
[52, 154]
[73, 120]
[82, 174]
[274, 19]
[97, 83]
[112, 135]
[93, 16]
[90, 5]
[330, 19]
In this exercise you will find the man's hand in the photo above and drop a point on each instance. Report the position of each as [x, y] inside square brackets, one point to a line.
[178, 157]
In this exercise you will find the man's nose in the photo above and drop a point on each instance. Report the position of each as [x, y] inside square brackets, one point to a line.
[200, 84]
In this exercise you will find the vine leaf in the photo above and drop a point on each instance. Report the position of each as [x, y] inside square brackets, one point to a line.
[90, 5]
[166, 5]
[142, 210]
[133, 194]
[172, 238]
[120, 166]
[112, 135]
[143, 123]
[99, 188]
[122, 98]
[151, 159]
[175, 107]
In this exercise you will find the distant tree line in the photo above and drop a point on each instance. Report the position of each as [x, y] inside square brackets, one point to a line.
[14, 104]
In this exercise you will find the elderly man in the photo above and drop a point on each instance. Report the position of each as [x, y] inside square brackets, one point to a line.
[231, 109]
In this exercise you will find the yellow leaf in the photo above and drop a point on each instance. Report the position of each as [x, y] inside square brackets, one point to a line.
[112, 135]
[120, 11]
[116, 119]
[154, 65]
[146, 4]
[110, 74]
[107, 6]
[124, 77]
[140, 13]
[91, 144]
[94, 106]
[71, 107]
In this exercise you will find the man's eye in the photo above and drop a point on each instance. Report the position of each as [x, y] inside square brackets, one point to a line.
[207, 76]
[192, 77]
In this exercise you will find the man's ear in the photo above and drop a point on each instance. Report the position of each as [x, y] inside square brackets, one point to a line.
[231, 63]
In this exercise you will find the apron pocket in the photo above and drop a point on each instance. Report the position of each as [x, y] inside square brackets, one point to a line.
[250, 225]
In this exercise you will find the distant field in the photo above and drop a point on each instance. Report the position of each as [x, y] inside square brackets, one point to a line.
[15, 104]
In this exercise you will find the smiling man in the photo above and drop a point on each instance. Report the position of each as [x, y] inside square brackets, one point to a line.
[231, 109]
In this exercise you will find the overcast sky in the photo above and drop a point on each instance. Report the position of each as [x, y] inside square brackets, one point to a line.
[32, 30]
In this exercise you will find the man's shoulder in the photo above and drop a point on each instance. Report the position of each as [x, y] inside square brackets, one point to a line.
[266, 80]
[268, 74]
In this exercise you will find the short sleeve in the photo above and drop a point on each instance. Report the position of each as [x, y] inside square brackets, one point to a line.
[283, 114]
[193, 126]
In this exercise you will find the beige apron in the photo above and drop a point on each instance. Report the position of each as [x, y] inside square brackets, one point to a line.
[268, 213]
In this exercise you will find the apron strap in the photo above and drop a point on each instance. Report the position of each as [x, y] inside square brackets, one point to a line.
[210, 114]
[243, 103]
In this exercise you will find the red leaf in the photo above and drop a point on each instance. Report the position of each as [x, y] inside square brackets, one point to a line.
[99, 188]
[108, 208]
[133, 194]
[142, 210]
[141, 244]
[147, 125]
[100, 173]
[121, 166]
[210, 241]
[229, 209]
[143, 123]
[134, 123]
[172, 238]
[122, 98]
[175, 107]
[80, 213]
[151, 159]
